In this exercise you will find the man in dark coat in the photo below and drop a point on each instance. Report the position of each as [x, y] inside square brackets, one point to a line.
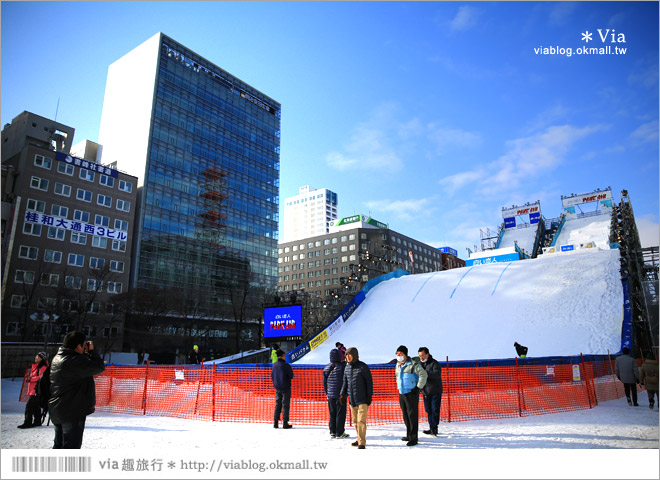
[282, 375]
[72, 389]
[333, 378]
[626, 370]
[359, 386]
[432, 391]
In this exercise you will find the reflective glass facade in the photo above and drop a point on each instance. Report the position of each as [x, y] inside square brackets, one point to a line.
[211, 187]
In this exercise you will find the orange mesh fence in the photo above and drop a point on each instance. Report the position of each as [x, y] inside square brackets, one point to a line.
[244, 393]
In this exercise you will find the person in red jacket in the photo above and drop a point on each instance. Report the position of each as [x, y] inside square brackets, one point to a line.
[32, 408]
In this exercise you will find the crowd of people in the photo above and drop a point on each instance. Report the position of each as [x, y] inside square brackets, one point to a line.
[65, 388]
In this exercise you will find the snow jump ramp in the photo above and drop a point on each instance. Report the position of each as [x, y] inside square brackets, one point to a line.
[561, 305]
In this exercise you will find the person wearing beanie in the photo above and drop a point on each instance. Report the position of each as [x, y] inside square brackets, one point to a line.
[410, 379]
[358, 385]
[32, 407]
[195, 357]
[72, 388]
[333, 377]
[627, 371]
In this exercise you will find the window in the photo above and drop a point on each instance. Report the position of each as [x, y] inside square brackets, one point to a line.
[14, 328]
[93, 307]
[87, 175]
[50, 279]
[31, 253]
[43, 162]
[78, 238]
[114, 287]
[73, 282]
[121, 225]
[32, 229]
[18, 301]
[39, 183]
[123, 205]
[76, 260]
[104, 200]
[59, 211]
[119, 245]
[65, 168]
[52, 256]
[94, 285]
[125, 186]
[62, 189]
[56, 233]
[24, 276]
[36, 205]
[351, 236]
[102, 220]
[110, 332]
[45, 303]
[84, 195]
[69, 305]
[106, 181]
[96, 262]
[81, 216]
[99, 242]
[116, 266]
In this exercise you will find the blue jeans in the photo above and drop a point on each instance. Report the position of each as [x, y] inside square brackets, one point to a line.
[70, 434]
[432, 407]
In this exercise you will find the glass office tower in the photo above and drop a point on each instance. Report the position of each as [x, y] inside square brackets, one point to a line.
[205, 147]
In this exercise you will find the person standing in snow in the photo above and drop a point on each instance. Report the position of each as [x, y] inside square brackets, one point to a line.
[648, 376]
[342, 350]
[282, 375]
[626, 370]
[333, 377]
[32, 407]
[359, 386]
[410, 379]
[72, 389]
[521, 350]
[432, 391]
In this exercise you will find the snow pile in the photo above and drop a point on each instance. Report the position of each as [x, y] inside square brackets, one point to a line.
[555, 305]
[578, 231]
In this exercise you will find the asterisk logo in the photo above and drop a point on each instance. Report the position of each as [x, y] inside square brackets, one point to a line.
[586, 36]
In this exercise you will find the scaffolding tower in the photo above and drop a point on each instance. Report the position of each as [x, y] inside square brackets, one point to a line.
[212, 224]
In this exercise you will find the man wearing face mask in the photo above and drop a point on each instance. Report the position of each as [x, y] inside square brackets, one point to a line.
[410, 379]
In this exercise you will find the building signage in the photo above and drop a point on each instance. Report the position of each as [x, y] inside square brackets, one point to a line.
[375, 223]
[511, 257]
[74, 226]
[359, 218]
[448, 250]
[283, 321]
[524, 210]
[86, 164]
[597, 196]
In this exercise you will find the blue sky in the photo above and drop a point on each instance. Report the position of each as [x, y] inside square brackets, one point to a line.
[430, 116]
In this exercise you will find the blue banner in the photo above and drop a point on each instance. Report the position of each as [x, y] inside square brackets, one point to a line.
[509, 257]
[534, 217]
[510, 222]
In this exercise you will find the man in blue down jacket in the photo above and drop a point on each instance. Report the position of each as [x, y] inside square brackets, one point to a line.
[333, 377]
[359, 386]
[72, 389]
[410, 379]
[282, 375]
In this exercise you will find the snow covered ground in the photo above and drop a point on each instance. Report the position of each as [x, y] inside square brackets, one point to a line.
[583, 230]
[561, 304]
[524, 236]
[611, 440]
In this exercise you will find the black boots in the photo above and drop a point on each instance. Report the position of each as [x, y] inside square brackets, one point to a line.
[287, 425]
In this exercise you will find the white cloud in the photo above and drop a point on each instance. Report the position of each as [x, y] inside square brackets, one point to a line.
[465, 18]
[402, 209]
[645, 133]
[649, 231]
[368, 149]
[446, 138]
[526, 157]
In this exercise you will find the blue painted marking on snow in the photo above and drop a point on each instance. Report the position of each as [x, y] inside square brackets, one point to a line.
[459, 282]
[500, 278]
[423, 285]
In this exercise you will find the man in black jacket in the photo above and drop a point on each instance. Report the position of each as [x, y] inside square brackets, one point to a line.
[359, 386]
[282, 374]
[432, 391]
[521, 350]
[72, 389]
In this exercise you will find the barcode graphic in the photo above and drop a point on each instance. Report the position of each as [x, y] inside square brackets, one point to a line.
[51, 464]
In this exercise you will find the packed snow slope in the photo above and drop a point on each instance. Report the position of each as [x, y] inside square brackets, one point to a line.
[557, 304]
[523, 236]
[578, 231]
